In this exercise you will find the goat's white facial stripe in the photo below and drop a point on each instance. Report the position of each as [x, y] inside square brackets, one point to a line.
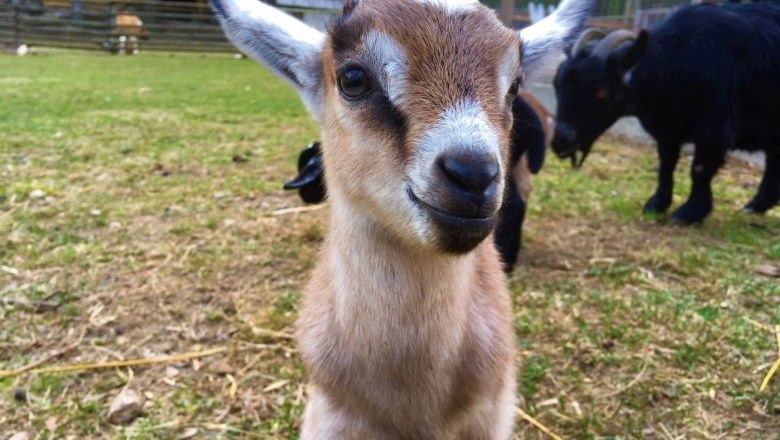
[387, 60]
[452, 6]
[462, 127]
[508, 70]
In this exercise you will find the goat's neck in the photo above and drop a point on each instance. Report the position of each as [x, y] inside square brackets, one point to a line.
[386, 283]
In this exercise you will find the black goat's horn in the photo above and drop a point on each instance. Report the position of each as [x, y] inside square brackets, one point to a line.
[611, 42]
[586, 36]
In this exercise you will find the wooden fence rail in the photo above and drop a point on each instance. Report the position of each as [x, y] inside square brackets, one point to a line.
[126, 25]
[120, 26]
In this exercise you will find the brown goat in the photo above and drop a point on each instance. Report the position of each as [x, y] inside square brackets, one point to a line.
[406, 325]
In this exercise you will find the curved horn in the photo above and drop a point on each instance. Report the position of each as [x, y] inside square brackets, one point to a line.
[611, 42]
[585, 37]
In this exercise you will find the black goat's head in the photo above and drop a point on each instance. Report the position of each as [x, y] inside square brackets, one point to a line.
[590, 88]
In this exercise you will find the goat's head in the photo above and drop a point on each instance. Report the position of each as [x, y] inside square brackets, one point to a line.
[414, 98]
[590, 87]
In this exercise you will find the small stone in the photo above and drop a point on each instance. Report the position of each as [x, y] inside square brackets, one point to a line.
[768, 270]
[37, 194]
[20, 395]
[171, 371]
[187, 434]
[224, 367]
[126, 406]
[51, 423]
[220, 195]
[20, 436]
[94, 212]
[119, 330]
[115, 226]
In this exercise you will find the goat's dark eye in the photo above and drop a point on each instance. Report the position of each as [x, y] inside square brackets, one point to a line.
[514, 88]
[355, 83]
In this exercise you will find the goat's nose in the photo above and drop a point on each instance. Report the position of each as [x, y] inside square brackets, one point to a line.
[471, 172]
[564, 140]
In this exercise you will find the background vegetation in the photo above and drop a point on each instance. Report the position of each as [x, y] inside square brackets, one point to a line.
[136, 201]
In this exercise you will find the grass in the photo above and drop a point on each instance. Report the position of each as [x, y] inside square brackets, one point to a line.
[135, 200]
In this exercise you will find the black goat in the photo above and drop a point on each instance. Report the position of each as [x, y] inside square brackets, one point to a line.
[708, 75]
[529, 134]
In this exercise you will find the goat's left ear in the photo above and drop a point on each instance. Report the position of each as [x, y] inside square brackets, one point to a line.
[543, 40]
[634, 52]
[287, 46]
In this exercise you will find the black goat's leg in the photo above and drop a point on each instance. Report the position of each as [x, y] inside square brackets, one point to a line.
[668, 155]
[508, 235]
[769, 190]
[706, 163]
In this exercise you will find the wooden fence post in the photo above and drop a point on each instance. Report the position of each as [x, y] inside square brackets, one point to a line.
[507, 11]
[112, 13]
[17, 23]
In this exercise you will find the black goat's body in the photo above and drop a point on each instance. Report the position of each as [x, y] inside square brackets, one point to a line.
[711, 76]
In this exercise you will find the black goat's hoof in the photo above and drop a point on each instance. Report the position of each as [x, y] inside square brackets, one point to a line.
[656, 205]
[757, 207]
[691, 214]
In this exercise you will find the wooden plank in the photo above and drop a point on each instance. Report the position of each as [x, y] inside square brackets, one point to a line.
[507, 11]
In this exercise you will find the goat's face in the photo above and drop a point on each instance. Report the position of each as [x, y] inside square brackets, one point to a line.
[587, 105]
[417, 117]
[414, 98]
[591, 87]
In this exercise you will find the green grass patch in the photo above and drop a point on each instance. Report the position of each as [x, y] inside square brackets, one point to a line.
[128, 228]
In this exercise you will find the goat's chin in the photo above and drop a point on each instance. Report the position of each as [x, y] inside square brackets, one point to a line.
[452, 234]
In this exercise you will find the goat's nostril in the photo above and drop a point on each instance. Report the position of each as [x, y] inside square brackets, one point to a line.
[470, 172]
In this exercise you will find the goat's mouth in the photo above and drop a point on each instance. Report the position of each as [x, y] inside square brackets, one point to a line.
[571, 154]
[455, 234]
[566, 151]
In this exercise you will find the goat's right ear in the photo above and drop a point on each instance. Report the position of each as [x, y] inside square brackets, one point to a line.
[634, 52]
[290, 48]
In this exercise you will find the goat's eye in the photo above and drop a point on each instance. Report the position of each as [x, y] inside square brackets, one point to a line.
[355, 83]
[602, 94]
[514, 88]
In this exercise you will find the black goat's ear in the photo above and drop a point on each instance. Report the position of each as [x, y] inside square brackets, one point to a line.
[635, 52]
[309, 182]
[527, 136]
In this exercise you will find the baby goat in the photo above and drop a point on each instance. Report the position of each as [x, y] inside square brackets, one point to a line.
[406, 325]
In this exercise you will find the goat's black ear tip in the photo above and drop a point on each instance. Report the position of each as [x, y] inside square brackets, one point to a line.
[642, 38]
[216, 5]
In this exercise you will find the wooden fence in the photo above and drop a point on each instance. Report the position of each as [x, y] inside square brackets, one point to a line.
[124, 25]
[114, 26]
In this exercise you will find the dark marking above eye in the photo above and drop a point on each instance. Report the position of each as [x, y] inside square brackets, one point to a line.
[346, 31]
[348, 7]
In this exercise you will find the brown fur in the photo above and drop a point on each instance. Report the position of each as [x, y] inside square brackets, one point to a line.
[400, 339]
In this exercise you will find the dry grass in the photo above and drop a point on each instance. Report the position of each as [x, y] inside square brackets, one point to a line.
[151, 241]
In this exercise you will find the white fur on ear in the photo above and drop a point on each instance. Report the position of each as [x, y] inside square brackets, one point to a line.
[290, 48]
[542, 41]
